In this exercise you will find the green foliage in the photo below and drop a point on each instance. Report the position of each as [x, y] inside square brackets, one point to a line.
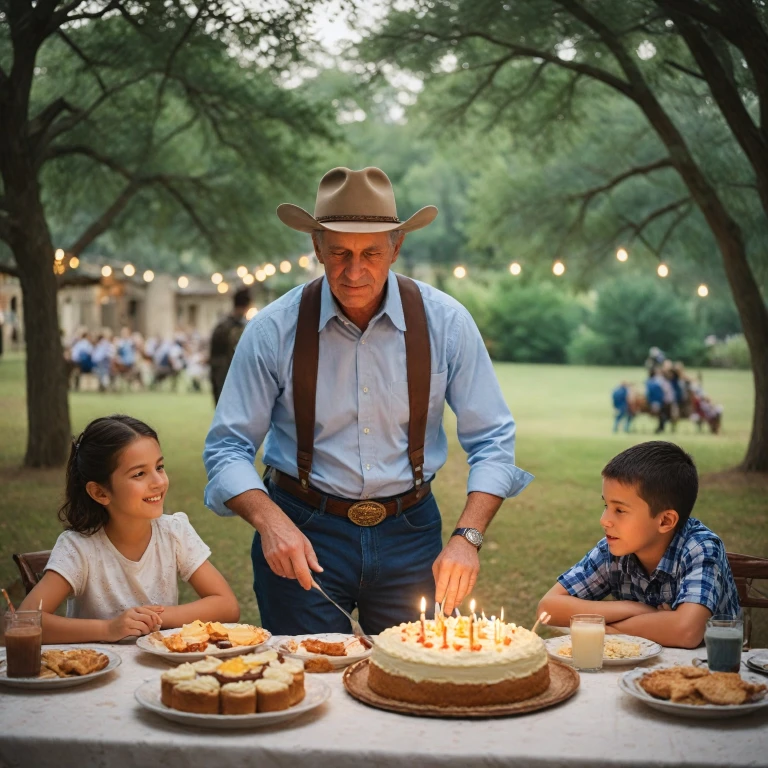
[632, 315]
[732, 352]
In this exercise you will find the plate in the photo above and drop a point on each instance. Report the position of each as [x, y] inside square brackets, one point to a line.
[179, 658]
[355, 652]
[316, 693]
[648, 650]
[758, 662]
[628, 683]
[564, 682]
[51, 683]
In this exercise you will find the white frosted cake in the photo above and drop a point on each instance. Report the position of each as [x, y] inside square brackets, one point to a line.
[439, 667]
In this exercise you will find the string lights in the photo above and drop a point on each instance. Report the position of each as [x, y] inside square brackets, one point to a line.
[460, 272]
[515, 269]
[558, 268]
[622, 254]
[662, 270]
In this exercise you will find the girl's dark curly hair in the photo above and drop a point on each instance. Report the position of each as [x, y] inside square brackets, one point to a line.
[93, 457]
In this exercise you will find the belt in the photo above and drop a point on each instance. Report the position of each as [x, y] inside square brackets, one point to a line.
[366, 512]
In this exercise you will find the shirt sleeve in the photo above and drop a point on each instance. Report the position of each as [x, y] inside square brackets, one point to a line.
[191, 550]
[485, 427]
[241, 420]
[590, 578]
[703, 577]
[70, 562]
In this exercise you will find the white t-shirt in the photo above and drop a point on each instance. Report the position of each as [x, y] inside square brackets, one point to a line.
[105, 583]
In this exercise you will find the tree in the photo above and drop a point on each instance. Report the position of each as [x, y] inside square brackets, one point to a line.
[161, 116]
[530, 63]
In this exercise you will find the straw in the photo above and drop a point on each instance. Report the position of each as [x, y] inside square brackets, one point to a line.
[8, 600]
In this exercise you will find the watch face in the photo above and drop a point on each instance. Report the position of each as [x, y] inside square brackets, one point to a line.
[474, 536]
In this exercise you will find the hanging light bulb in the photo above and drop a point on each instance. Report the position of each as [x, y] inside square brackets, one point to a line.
[222, 287]
[74, 262]
[242, 271]
[558, 268]
[148, 276]
[183, 281]
[515, 268]
[251, 313]
[248, 279]
[216, 278]
[59, 254]
[460, 272]
[662, 270]
[622, 254]
[106, 270]
[261, 275]
[285, 267]
[303, 261]
[703, 290]
[269, 270]
[129, 270]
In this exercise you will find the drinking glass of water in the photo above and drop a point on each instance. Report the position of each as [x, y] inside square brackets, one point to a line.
[724, 637]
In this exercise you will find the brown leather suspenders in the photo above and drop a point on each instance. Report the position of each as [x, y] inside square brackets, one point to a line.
[306, 353]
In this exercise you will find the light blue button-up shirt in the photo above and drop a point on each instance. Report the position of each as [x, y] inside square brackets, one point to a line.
[361, 419]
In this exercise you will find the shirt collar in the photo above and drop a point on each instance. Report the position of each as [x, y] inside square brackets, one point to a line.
[393, 305]
[670, 560]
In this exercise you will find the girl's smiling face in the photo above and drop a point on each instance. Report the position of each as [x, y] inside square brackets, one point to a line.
[138, 485]
[628, 524]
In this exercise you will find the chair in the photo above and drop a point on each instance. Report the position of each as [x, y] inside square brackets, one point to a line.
[746, 569]
[31, 567]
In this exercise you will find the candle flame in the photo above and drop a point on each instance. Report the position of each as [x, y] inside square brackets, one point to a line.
[472, 605]
[501, 616]
[423, 604]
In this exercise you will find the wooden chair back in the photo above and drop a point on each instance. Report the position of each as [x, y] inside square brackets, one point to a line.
[31, 566]
[746, 569]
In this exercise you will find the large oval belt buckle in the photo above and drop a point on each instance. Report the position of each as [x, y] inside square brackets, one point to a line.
[367, 513]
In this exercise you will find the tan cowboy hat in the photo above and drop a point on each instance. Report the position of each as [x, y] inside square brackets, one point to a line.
[354, 201]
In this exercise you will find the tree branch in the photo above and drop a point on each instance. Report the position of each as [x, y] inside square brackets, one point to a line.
[90, 65]
[638, 229]
[102, 223]
[685, 70]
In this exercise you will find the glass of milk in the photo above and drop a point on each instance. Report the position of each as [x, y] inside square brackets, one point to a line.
[587, 636]
[724, 637]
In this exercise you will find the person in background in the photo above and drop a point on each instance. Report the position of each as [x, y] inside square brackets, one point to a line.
[103, 355]
[224, 340]
[81, 355]
[620, 397]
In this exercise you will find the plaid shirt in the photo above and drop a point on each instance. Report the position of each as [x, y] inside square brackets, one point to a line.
[694, 569]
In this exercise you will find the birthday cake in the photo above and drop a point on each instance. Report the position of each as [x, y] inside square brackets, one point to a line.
[454, 662]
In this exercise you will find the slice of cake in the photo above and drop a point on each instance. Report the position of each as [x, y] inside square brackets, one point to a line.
[238, 698]
[272, 696]
[170, 679]
[451, 665]
[200, 696]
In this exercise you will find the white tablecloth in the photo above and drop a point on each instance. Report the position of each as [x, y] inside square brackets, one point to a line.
[100, 724]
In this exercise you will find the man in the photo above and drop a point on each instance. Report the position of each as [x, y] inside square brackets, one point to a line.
[347, 378]
[224, 340]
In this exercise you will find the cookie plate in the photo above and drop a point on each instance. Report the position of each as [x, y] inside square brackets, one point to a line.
[628, 683]
[648, 650]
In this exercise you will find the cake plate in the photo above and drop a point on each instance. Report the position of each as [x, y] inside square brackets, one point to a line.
[564, 682]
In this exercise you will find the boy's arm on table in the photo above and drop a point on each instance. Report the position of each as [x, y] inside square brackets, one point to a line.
[217, 600]
[562, 606]
[680, 628]
[53, 589]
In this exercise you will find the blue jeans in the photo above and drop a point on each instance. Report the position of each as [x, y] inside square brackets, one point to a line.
[383, 571]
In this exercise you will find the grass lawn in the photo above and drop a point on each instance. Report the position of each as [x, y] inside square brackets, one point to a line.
[564, 438]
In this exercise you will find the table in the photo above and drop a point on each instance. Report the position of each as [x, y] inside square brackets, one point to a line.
[100, 724]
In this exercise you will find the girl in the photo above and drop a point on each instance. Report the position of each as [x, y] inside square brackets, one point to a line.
[118, 560]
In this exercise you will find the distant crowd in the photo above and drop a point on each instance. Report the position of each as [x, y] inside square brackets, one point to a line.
[669, 395]
[134, 362]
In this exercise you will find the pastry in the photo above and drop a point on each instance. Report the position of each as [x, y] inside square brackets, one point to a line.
[238, 698]
[272, 696]
[170, 679]
[200, 696]
[295, 688]
[207, 666]
[234, 670]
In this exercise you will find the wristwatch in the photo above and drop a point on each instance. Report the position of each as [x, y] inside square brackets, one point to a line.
[472, 535]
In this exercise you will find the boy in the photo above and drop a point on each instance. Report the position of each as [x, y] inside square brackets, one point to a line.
[666, 571]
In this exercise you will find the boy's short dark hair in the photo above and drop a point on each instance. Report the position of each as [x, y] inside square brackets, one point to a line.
[663, 475]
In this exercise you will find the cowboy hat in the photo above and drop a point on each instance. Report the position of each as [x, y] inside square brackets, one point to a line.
[354, 201]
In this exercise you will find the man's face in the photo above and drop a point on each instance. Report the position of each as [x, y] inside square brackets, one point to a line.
[357, 265]
[627, 521]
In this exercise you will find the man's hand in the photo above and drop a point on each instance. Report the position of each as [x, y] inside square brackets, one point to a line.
[286, 549]
[455, 572]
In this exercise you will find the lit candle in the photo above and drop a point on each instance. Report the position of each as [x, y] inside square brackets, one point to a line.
[501, 624]
[472, 609]
[472, 620]
[423, 608]
[495, 629]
